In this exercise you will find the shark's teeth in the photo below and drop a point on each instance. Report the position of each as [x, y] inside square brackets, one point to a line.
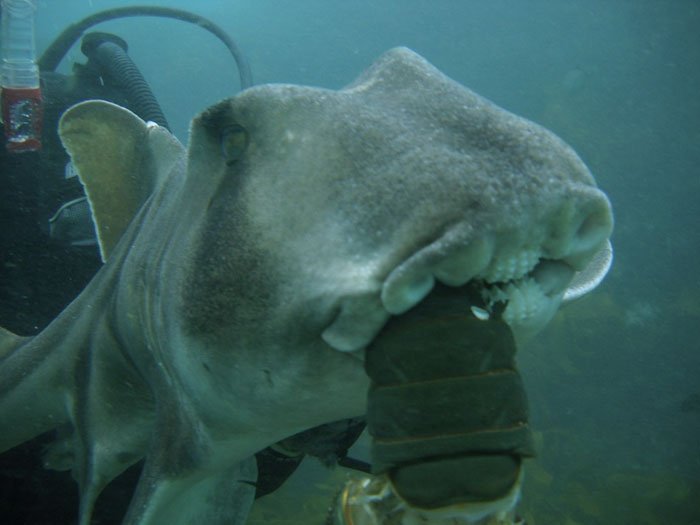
[533, 288]
[526, 301]
[513, 267]
[410, 283]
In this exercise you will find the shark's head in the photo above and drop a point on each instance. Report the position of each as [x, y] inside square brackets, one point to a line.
[245, 277]
[334, 210]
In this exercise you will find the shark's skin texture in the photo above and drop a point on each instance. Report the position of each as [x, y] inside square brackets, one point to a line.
[244, 277]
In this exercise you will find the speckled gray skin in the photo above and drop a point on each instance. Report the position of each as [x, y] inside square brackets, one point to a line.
[233, 308]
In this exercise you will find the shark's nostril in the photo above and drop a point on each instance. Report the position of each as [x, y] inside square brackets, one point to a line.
[579, 228]
[594, 229]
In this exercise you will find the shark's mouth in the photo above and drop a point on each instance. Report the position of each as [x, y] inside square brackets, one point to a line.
[447, 409]
[531, 294]
[526, 280]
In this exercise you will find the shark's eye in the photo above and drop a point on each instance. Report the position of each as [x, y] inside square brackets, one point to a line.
[234, 141]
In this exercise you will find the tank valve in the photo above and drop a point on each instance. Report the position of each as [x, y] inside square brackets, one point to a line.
[22, 109]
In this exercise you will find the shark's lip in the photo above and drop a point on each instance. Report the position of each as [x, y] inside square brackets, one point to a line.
[529, 266]
[531, 284]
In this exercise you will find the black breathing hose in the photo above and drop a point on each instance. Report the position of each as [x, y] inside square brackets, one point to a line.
[109, 54]
[53, 55]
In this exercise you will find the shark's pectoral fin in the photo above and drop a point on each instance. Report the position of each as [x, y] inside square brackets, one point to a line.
[182, 483]
[9, 342]
[113, 415]
[31, 376]
[120, 159]
[223, 497]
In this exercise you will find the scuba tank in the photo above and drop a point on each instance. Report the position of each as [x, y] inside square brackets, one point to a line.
[47, 242]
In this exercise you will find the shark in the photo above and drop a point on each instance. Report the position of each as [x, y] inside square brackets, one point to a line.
[245, 275]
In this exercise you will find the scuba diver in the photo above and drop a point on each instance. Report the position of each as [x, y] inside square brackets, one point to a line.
[47, 242]
[48, 248]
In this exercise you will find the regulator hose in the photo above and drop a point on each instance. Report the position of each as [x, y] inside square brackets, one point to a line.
[53, 55]
[108, 52]
[447, 409]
